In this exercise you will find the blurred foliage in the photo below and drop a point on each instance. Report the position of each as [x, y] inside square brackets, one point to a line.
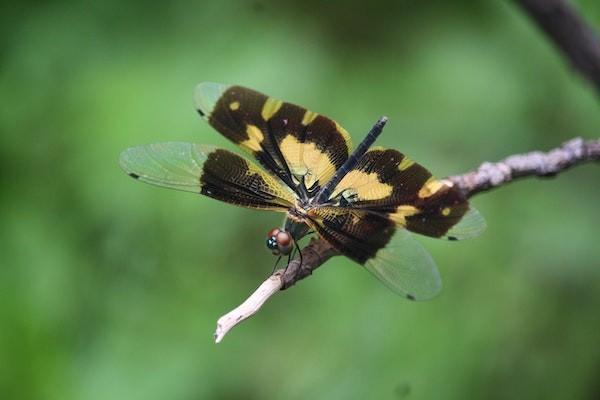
[110, 289]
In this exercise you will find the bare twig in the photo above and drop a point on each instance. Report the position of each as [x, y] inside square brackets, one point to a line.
[487, 176]
[313, 256]
[570, 33]
[249, 307]
[491, 175]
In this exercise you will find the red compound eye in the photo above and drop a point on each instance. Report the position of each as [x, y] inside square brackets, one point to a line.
[283, 238]
[285, 242]
[273, 232]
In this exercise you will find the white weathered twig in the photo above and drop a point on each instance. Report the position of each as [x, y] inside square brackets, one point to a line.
[488, 176]
[249, 307]
[314, 255]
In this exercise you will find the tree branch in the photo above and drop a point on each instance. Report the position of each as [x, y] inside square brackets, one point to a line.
[491, 175]
[488, 176]
[570, 33]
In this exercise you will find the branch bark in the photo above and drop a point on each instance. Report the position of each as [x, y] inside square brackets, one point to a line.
[488, 176]
[570, 33]
[491, 175]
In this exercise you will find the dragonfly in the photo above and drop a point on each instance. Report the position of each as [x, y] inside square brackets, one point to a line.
[365, 202]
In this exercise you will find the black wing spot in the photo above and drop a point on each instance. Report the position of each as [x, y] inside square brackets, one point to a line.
[200, 112]
[134, 176]
[452, 238]
[410, 297]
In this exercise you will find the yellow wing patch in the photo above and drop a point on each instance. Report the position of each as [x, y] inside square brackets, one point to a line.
[405, 164]
[255, 139]
[402, 212]
[345, 134]
[309, 117]
[305, 159]
[430, 188]
[366, 186]
[270, 108]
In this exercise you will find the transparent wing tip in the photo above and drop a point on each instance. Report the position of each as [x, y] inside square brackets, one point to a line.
[206, 96]
[125, 160]
[470, 226]
[406, 268]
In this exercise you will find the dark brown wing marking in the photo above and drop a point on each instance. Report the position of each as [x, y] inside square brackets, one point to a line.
[293, 143]
[387, 182]
[387, 251]
[356, 233]
[207, 170]
[232, 179]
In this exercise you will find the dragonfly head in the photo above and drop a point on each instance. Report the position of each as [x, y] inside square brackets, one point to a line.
[280, 242]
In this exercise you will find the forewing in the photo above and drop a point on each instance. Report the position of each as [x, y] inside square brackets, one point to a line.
[387, 182]
[290, 141]
[387, 251]
[207, 170]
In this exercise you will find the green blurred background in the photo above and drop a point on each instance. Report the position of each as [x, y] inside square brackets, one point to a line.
[110, 289]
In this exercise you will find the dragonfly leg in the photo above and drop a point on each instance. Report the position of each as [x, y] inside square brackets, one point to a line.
[275, 266]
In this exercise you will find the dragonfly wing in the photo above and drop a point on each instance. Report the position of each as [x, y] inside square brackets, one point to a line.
[387, 182]
[208, 170]
[290, 141]
[387, 251]
[406, 267]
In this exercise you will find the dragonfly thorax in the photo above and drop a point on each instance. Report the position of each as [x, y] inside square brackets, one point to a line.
[297, 214]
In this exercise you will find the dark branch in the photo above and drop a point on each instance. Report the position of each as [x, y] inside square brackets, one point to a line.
[570, 33]
[315, 254]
